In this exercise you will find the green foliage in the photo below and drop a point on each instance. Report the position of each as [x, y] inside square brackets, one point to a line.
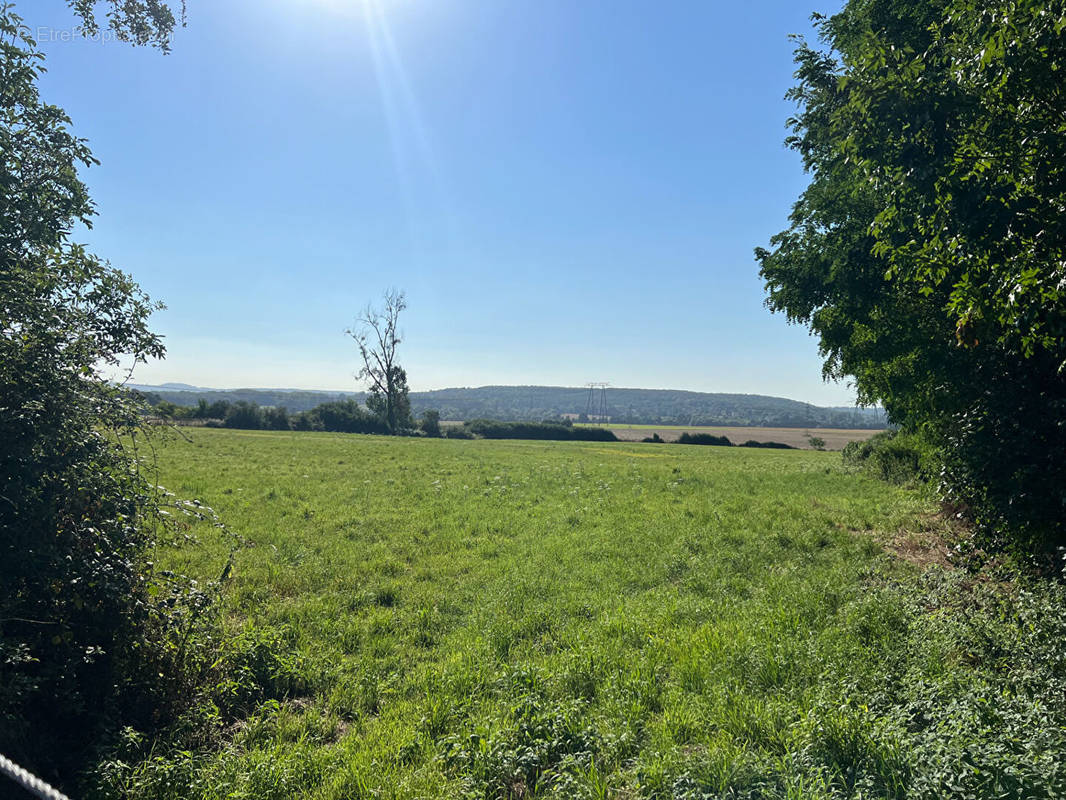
[539, 403]
[90, 632]
[927, 251]
[435, 618]
[392, 404]
[538, 750]
[277, 419]
[244, 415]
[720, 441]
[704, 439]
[459, 432]
[770, 445]
[816, 442]
[167, 410]
[344, 416]
[339, 416]
[716, 441]
[893, 456]
[430, 424]
[139, 22]
[219, 409]
[491, 429]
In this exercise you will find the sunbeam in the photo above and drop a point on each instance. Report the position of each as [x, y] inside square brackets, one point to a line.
[417, 171]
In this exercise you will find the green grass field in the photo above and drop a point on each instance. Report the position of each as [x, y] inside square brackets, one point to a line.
[475, 619]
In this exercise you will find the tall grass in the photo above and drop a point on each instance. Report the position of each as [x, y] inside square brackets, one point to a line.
[479, 619]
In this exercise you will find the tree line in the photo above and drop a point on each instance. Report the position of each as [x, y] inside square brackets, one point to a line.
[339, 416]
[348, 416]
[537, 403]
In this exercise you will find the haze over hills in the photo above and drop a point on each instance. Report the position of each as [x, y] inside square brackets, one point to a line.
[534, 403]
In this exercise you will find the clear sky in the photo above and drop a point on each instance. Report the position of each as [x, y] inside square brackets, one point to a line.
[567, 190]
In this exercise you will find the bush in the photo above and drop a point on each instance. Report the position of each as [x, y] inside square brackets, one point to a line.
[244, 415]
[216, 410]
[655, 438]
[1002, 459]
[893, 456]
[491, 429]
[768, 445]
[276, 419]
[88, 629]
[430, 424]
[306, 421]
[346, 416]
[704, 439]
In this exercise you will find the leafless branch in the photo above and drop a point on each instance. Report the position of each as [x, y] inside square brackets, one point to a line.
[377, 336]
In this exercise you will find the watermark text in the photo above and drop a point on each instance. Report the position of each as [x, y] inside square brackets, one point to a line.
[43, 34]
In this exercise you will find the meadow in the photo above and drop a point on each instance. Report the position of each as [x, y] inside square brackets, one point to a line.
[417, 618]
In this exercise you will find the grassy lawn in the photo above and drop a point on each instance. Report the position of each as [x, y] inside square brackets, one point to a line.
[436, 618]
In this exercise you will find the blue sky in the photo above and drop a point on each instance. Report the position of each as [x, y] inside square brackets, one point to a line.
[567, 191]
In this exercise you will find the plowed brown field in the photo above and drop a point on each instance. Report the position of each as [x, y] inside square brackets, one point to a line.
[835, 438]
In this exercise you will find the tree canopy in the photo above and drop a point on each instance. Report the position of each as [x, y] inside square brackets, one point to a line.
[928, 252]
[139, 22]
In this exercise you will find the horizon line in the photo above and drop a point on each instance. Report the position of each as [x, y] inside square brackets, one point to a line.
[194, 389]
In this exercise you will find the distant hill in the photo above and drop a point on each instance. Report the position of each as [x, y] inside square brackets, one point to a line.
[535, 403]
[182, 387]
[642, 406]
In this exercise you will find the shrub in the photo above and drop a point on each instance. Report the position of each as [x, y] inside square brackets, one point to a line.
[276, 419]
[491, 429]
[893, 456]
[655, 438]
[704, 439]
[88, 629]
[769, 445]
[306, 421]
[430, 424]
[345, 416]
[244, 415]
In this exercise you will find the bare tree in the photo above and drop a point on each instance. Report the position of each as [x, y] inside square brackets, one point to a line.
[377, 336]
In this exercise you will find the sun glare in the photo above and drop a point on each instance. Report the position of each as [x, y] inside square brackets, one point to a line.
[350, 8]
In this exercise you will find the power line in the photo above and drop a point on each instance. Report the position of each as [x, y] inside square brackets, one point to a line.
[596, 402]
